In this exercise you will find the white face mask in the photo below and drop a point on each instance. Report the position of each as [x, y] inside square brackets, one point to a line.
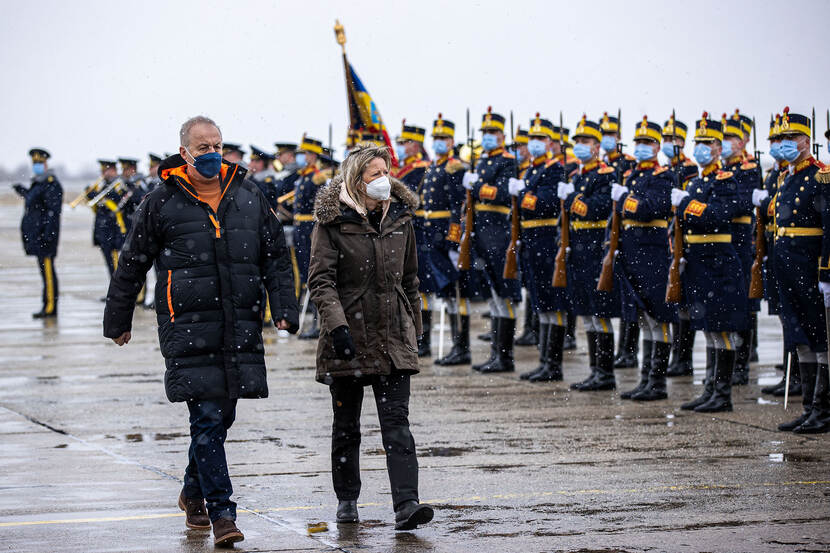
[379, 189]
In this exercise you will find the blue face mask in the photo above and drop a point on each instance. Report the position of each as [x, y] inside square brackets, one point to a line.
[489, 142]
[775, 151]
[789, 150]
[536, 148]
[703, 154]
[643, 152]
[608, 143]
[726, 152]
[668, 150]
[440, 147]
[400, 151]
[38, 169]
[583, 152]
[208, 165]
[519, 155]
[300, 160]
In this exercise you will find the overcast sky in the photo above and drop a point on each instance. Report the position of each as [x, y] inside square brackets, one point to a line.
[89, 79]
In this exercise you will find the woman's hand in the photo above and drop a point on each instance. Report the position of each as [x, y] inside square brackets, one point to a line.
[344, 347]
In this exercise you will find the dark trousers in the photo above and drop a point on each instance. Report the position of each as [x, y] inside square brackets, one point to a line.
[111, 257]
[50, 284]
[392, 400]
[206, 475]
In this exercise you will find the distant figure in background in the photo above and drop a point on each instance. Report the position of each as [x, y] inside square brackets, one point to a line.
[234, 153]
[110, 226]
[262, 172]
[153, 179]
[41, 226]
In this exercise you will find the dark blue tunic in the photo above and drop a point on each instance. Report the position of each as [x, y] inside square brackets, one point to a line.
[748, 176]
[41, 223]
[305, 190]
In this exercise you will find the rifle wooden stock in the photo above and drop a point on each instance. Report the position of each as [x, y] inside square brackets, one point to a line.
[674, 289]
[606, 276]
[511, 269]
[560, 272]
[466, 240]
[756, 283]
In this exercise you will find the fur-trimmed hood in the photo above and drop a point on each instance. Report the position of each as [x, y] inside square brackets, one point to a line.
[327, 204]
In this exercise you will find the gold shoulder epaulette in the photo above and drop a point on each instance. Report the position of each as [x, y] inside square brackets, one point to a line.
[321, 177]
[605, 170]
[748, 165]
[508, 155]
[422, 163]
[627, 173]
[660, 170]
[823, 175]
[630, 157]
[454, 166]
[723, 175]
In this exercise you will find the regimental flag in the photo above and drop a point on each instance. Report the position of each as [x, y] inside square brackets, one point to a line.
[364, 116]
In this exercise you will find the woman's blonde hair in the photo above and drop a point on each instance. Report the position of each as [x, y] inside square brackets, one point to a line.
[355, 163]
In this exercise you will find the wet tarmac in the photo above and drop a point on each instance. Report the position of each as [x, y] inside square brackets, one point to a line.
[92, 453]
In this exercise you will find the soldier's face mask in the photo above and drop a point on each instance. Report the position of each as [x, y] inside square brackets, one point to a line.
[703, 154]
[208, 165]
[38, 168]
[608, 143]
[789, 149]
[583, 152]
[400, 150]
[490, 142]
[643, 152]
[536, 148]
[668, 150]
[726, 152]
[440, 147]
[300, 160]
[775, 151]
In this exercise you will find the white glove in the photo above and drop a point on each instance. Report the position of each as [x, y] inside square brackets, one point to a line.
[824, 287]
[454, 257]
[469, 179]
[564, 190]
[758, 196]
[617, 191]
[677, 196]
[515, 186]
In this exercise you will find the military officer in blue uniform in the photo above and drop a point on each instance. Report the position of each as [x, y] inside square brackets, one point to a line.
[152, 180]
[802, 261]
[41, 225]
[412, 166]
[287, 175]
[714, 288]
[134, 188]
[110, 226]
[644, 204]
[748, 177]
[587, 199]
[488, 184]
[309, 181]
[684, 169]
[234, 153]
[629, 335]
[261, 172]
[539, 220]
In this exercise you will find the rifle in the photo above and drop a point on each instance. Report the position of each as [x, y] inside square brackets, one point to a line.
[511, 269]
[674, 289]
[560, 272]
[606, 276]
[816, 147]
[756, 281]
[464, 248]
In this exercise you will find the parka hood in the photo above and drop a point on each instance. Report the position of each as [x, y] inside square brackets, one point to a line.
[327, 204]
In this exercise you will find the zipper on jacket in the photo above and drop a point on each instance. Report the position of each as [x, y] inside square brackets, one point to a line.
[215, 225]
[170, 295]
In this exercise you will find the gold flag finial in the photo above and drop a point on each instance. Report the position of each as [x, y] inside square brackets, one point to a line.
[340, 34]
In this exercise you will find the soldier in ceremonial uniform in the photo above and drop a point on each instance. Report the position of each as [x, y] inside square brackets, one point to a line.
[488, 184]
[412, 167]
[802, 261]
[439, 228]
[539, 220]
[308, 183]
[261, 171]
[714, 287]
[134, 187]
[587, 200]
[152, 180]
[629, 335]
[41, 225]
[110, 227]
[521, 153]
[644, 205]
[748, 178]
[684, 169]
[233, 153]
[287, 174]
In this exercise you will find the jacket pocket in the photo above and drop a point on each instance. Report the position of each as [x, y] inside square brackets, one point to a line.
[406, 318]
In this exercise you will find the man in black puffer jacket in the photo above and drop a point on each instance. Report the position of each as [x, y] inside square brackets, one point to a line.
[217, 248]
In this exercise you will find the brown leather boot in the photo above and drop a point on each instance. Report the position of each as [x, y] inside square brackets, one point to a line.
[225, 532]
[196, 516]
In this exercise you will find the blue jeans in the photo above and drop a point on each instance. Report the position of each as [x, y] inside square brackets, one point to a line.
[206, 475]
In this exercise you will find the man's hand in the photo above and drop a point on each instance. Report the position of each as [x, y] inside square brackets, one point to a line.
[515, 186]
[564, 189]
[469, 179]
[123, 340]
[758, 196]
[677, 196]
[283, 325]
[618, 191]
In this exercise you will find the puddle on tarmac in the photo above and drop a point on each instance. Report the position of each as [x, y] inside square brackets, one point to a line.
[765, 401]
[792, 458]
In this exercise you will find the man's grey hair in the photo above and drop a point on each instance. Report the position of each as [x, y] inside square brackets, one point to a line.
[184, 133]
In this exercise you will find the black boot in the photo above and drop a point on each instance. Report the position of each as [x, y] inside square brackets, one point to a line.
[645, 368]
[685, 343]
[347, 511]
[622, 332]
[796, 386]
[494, 327]
[656, 388]
[530, 335]
[453, 318]
[488, 336]
[460, 353]
[783, 381]
[504, 353]
[630, 349]
[544, 336]
[312, 333]
[721, 399]
[552, 370]
[604, 375]
[753, 353]
[570, 334]
[592, 360]
[740, 376]
[808, 372]
[675, 334]
[819, 420]
[708, 383]
[425, 340]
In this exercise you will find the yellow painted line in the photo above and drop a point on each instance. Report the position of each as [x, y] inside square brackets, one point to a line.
[672, 488]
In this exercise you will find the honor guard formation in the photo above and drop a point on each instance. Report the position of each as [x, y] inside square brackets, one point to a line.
[568, 225]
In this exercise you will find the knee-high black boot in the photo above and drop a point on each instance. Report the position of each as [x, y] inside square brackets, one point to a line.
[796, 384]
[504, 353]
[592, 360]
[552, 370]
[808, 373]
[460, 353]
[819, 420]
[630, 347]
[530, 333]
[570, 333]
[494, 326]
[425, 340]
[656, 387]
[604, 374]
[708, 383]
[645, 368]
[685, 341]
[740, 376]
[544, 336]
[721, 399]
